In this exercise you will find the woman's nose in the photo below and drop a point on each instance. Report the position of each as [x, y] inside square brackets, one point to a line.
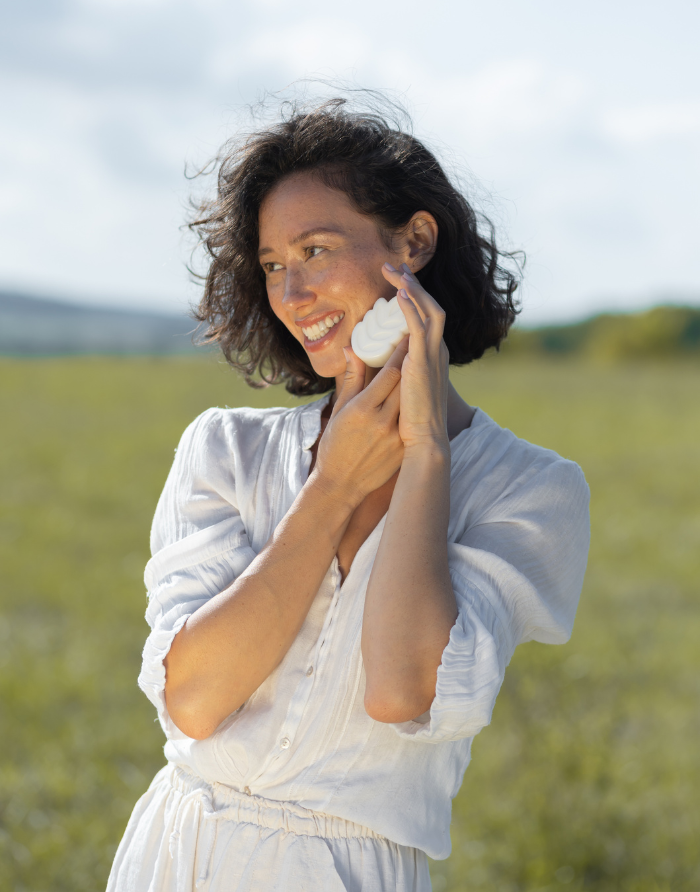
[297, 292]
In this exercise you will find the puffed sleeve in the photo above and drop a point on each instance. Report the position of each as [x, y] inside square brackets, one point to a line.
[517, 575]
[199, 546]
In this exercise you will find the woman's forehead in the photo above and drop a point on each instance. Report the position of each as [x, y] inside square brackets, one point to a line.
[301, 206]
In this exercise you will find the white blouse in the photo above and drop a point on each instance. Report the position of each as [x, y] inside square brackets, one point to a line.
[518, 543]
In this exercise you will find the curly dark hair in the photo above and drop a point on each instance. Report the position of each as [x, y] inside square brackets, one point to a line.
[388, 175]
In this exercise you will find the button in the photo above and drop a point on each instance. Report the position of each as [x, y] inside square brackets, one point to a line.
[310, 670]
[284, 743]
[246, 790]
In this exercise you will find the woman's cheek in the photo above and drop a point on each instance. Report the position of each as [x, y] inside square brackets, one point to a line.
[355, 287]
[274, 297]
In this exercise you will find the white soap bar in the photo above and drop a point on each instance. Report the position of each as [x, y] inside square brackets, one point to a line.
[374, 338]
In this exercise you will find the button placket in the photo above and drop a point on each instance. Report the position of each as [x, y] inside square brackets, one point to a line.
[300, 699]
[327, 629]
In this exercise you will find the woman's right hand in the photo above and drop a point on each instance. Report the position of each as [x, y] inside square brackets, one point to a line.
[361, 448]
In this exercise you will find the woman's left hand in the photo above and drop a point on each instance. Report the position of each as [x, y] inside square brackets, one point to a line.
[425, 368]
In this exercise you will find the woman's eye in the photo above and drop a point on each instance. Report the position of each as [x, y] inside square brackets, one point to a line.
[272, 267]
[314, 250]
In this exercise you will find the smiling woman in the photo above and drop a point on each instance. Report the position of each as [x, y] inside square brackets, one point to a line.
[336, 589]
[385, 176]
[322, 281]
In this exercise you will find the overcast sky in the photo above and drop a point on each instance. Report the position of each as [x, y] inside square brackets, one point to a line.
[577, 127]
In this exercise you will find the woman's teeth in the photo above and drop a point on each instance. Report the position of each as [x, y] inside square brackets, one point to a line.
[319, 329]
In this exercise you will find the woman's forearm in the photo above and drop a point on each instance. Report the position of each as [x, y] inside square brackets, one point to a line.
[410, 606]
[231, 644]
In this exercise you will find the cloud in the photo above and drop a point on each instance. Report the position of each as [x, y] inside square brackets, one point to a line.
[506, 98]
[565, 128]
[301, 46]
[652, 122]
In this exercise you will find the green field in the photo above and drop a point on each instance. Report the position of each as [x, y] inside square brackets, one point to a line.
[587, 778]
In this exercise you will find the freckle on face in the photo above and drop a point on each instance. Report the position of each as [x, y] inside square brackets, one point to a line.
[344, 276]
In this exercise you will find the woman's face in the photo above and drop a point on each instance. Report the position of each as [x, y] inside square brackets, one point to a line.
[322, 261]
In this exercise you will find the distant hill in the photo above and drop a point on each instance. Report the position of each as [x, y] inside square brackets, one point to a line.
[34, 326]
[38, 327]
[664, 331]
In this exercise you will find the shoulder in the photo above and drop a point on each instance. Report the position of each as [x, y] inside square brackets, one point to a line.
[220, 422]
[493, 467]
[234, 430]
[218, 450]
[520, 529]
[221, 443]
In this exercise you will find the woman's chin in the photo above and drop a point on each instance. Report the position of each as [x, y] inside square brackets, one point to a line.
[328, 363]
[329, 369]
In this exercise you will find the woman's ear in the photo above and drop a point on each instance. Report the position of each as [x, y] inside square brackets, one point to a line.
[421, 237]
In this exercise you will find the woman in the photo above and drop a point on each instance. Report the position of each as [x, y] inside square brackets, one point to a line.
[336, 589]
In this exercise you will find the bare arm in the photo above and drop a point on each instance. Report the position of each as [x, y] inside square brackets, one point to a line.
[410, 605]
[231, 645]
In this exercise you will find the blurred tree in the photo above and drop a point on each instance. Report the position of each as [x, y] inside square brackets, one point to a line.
[662, 332]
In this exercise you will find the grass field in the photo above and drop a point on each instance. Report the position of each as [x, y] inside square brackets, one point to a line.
[587, 778]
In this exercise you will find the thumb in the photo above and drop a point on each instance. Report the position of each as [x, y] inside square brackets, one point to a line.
[353, 381]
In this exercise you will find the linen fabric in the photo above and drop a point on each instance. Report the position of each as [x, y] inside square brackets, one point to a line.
[188, 835]
[517, 546]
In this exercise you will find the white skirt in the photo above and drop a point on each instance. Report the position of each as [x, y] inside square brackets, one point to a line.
[186, 835]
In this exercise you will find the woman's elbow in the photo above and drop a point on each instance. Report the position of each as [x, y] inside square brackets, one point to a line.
[190, 713]
[186, 706]
[396, 707]
[187, 715]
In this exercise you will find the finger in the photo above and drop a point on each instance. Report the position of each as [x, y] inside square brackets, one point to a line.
[353, 381]
[428, 307]
[391, 405]
[399, 354]
[391, 274]
[417, 329]
[396, 276]
[430, 312]
[382, 385]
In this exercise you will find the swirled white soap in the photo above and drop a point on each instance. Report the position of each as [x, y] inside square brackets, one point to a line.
[374, 338]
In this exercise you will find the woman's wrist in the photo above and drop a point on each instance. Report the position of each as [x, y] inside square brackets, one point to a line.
[342, 496]
[431, 452]
[426, 468]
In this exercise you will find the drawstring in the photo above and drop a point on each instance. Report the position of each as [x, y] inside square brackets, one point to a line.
[192, 839]
[185, 864]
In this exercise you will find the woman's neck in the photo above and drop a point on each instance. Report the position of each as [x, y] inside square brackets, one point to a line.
[459, 412]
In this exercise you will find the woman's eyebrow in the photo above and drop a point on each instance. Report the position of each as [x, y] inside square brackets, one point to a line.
[308, 233]
[318, 230]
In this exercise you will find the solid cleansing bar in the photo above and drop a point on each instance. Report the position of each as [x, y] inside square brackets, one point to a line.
[374, 338]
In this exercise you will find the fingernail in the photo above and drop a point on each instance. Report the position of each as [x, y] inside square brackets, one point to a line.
[346, 354]
[390, 267]
[402, 293]
[407, 270]
[408, 277]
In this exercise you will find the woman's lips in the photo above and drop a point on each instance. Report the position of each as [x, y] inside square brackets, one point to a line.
[320, 333]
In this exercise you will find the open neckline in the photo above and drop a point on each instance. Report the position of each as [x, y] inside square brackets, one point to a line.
[314, 410]
[343, 581]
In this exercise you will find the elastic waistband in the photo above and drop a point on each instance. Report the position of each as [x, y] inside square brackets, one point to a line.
[222, 802]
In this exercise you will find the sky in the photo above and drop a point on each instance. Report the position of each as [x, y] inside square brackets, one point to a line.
[574, 127]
